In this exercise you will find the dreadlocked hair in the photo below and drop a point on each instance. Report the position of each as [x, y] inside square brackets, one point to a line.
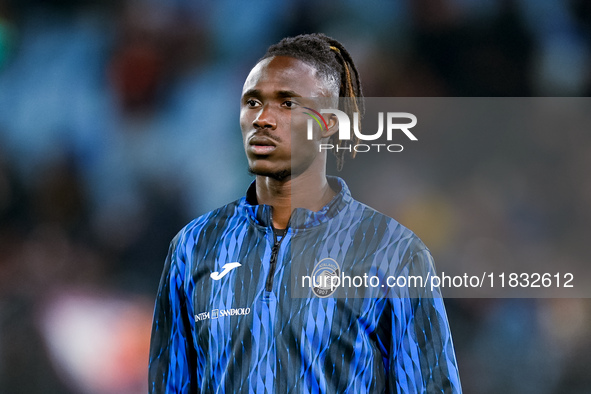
[335, 65]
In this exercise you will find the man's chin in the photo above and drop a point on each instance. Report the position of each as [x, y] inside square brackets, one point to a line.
[278, 175]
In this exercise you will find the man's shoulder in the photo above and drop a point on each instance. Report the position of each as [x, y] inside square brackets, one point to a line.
[392, 231]
[217, 218]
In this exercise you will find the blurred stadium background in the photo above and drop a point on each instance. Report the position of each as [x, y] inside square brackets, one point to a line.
[119, 124]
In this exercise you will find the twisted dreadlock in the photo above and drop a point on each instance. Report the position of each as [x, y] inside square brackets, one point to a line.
[333, 64]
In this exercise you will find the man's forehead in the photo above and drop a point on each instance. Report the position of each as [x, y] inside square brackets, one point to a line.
[283, 73]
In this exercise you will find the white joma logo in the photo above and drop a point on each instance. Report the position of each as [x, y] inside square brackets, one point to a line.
[227, 268]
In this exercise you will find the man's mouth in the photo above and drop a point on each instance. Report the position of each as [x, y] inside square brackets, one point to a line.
[261, 145]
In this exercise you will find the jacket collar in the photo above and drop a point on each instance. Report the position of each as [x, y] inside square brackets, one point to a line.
[301, 218]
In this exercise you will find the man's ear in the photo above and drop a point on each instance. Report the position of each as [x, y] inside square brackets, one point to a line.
[333, 126]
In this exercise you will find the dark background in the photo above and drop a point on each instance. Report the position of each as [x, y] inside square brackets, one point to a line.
[119, 124]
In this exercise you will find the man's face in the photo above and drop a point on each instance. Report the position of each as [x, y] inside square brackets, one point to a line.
[272, 120]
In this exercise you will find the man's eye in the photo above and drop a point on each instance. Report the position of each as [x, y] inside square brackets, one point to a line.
[289, 104]
[251, 103]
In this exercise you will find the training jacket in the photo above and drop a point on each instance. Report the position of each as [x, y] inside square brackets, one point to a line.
[237, 313]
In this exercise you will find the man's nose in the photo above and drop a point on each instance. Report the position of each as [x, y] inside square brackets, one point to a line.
[265, 119]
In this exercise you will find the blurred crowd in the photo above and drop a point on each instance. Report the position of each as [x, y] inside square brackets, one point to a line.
[119, 124]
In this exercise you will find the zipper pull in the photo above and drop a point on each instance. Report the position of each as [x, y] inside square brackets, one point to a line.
[272, 263]
[274, 253]
[273, 260]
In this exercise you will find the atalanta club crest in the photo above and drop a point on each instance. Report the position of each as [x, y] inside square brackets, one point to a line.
[325, 277]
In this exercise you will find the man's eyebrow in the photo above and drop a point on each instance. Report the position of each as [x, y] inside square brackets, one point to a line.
[281, 93]
[287, 93]
[251, 93]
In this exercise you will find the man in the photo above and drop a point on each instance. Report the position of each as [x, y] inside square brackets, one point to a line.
[230, 316]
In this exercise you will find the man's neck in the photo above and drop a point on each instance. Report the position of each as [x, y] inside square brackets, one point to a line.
[309, 191]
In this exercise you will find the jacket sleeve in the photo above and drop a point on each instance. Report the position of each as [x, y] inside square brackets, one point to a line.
[172, 355]
[422, 358]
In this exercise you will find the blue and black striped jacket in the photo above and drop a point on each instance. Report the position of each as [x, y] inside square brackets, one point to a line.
[237, 311]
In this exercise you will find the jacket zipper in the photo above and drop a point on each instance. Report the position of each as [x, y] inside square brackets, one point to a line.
[273, 261]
